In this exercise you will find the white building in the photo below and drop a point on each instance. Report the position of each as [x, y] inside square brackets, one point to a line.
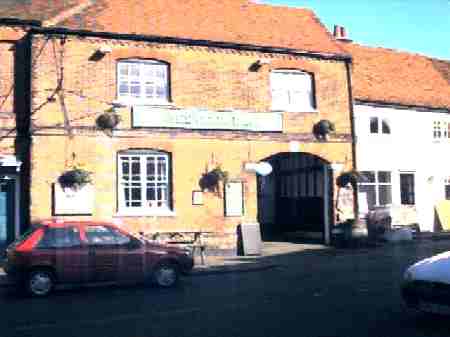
[402, 129]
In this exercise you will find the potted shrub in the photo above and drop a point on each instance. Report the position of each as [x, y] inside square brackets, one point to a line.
[322, 128]
[211, 181]
[108, 120]
[75, 178]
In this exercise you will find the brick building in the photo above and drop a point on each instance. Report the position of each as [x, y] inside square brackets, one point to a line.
[200, 87]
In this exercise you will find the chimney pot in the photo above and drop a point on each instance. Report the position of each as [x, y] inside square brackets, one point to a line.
[340, 33]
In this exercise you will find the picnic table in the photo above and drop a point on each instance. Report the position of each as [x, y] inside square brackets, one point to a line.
[192, 240]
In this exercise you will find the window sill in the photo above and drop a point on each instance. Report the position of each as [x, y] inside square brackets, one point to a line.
[293, 110]
[145, 213]
[129, 103]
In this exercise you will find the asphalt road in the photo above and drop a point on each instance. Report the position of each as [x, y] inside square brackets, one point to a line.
[344, 294]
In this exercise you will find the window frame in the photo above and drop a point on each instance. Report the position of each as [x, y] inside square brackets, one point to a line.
[381, 122]
[309, 93]
[148, 207]
[377, 184]
[410, 198]
[447, 188]
[440, 130]
[142, 100]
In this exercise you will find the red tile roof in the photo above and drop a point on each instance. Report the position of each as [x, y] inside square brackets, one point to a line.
[236, 21]
[34, 9]
[391, 76]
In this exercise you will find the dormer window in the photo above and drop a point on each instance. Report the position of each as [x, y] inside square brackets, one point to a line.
[142, 82]
[292, 90]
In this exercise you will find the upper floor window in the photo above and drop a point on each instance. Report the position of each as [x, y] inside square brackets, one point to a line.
[292, 90]
[441, 129]
[144, 182]
[379, 126]
[142, 82]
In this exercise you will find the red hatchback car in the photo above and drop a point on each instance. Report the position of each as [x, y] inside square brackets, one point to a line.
[86, 252]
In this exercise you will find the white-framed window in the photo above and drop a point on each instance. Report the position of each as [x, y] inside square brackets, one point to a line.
[447, 188]
[377, 186]
[441, 129]
[292, 90]
[407, 188]
[378, 125]
[142, 82]
[144, 182]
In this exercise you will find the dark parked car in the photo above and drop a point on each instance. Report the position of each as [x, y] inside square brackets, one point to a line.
[87, 252]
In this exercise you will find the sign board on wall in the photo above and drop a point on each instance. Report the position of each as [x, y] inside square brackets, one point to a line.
[200, 119]
[234, 198]
[73, 202]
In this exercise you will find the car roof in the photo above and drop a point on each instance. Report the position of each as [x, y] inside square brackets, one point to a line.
[66, 223]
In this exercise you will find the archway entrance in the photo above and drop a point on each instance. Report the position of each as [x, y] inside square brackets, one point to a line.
[294, 201]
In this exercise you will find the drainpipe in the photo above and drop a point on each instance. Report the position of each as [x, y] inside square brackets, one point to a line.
[348, 67]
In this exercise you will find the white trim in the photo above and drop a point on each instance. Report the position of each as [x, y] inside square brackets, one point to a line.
[296, 89]
[143, 213]
[140, 81]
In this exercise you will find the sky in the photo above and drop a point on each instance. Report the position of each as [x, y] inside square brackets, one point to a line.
[417, 26]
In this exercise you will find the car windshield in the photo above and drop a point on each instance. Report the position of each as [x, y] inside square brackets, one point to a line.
[24, 236]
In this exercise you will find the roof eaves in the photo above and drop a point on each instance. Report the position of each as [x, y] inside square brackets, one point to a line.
[192, 42]
[381, 103]
[19, 22]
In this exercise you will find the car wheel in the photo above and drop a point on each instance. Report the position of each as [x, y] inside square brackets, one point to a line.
[40, 283]
[166, 275]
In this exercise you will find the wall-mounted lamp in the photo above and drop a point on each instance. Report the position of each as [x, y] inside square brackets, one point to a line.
[100, 53]
[258, 64]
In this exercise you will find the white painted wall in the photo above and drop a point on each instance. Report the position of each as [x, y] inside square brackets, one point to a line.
[410, 147]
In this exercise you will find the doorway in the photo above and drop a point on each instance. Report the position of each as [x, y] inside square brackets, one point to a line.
[7, 212]
[294, 202]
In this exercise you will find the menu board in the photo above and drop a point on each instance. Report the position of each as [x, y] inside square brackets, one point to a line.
[234, 198]
[73, 202]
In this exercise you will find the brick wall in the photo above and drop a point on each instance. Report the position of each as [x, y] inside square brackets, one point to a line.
[9, 38]
[64, 123]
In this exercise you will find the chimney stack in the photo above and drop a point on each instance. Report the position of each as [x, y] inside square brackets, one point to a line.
[340, 34]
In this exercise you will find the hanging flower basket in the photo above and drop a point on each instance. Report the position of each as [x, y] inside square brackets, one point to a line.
[349, 177]
[108, 121]
[75, 179]
[211, 180]
[323, 128]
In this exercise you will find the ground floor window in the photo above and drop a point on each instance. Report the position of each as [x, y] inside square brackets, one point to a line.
[144, 182]
[377, 186]
[407, 191]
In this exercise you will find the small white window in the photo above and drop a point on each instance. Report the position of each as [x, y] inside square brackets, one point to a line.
[441, 130]
[379, 125]
[144, 182]
[292, 90]
[142, 82]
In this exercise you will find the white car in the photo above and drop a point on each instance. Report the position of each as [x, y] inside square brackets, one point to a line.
[426, 284]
